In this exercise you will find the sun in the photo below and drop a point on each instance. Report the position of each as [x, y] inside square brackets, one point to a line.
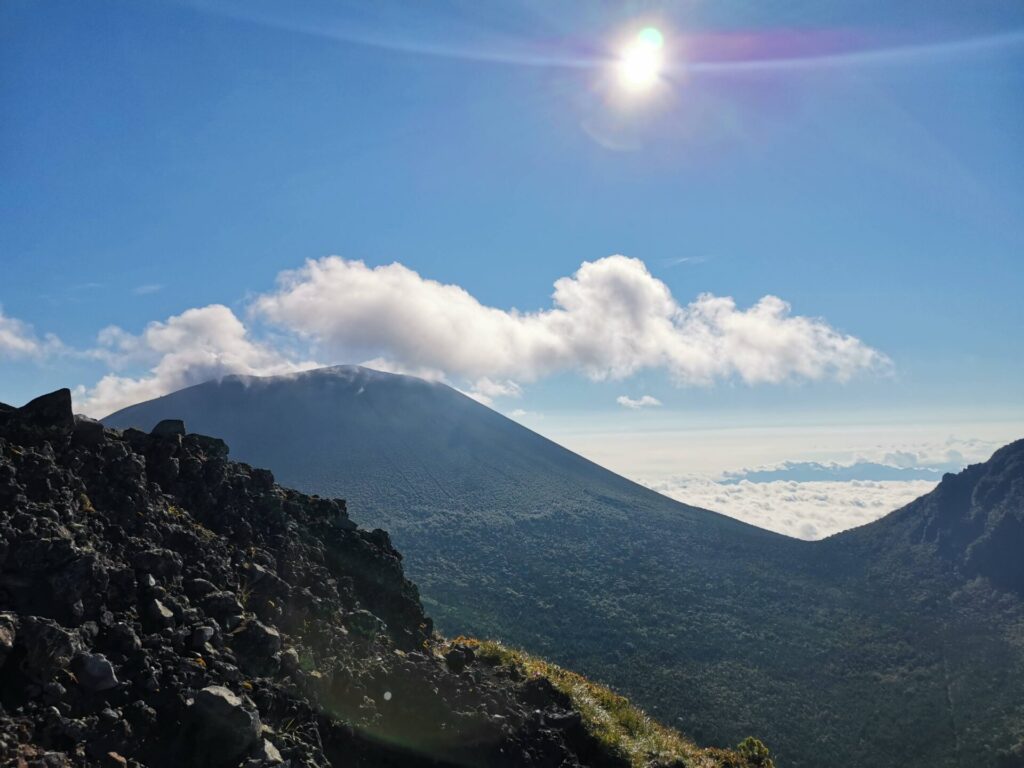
[639, 65]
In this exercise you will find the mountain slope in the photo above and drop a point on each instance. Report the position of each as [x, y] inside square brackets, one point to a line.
[720, 627]
[974, 521]
[162, 606]
[415, 430]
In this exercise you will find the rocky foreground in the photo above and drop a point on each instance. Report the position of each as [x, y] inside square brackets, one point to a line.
[161, 605]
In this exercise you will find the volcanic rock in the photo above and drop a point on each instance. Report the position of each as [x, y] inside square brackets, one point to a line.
[143, 612]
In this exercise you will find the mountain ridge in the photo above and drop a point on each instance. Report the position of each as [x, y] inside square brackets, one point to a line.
[973, 518]
[511, 536]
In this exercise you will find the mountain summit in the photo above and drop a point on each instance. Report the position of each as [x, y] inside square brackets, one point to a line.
[896, 644]
[339, 428]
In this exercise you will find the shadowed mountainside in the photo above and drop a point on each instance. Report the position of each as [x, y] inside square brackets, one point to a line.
[876, 647]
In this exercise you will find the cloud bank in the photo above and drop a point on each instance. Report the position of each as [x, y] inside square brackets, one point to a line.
[647, 401]
[811, 471]
[806, 510]
[608, 320]
[811, 499]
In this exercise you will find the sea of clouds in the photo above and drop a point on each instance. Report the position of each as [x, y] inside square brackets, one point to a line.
[805, 510]
[844, 476]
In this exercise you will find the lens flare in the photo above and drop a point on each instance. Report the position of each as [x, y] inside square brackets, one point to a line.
[640, 64]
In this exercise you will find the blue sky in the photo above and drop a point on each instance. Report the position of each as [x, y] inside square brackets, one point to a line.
[164, 156]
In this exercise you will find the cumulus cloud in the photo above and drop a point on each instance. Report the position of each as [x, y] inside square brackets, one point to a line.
[18, 340]
[195, 346]
[647, 401]
[610, 319]
[806, 510]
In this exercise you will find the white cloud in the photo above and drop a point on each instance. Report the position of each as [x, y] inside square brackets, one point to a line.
[18, 340]
[390, 366]
[195, 346]
[484, 390]
[493, 389]
[647, 401]
[143, 290]
[806, 510]
[610, 319]
[478, 396]
[521, 414]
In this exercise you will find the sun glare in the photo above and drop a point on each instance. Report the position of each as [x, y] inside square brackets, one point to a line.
[640, 64]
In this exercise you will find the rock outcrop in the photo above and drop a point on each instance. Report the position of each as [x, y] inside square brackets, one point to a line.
[161, 605]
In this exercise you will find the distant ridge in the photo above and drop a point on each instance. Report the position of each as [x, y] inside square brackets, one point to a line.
[896, 644]
[974, 520]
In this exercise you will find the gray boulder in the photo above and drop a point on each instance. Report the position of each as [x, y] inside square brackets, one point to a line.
[268, 753]
[199, 587]
[48, 647]
[160, 613]
[218, 604]
[256, 645]
[159, 561]
[51, 412]
[87, 432]
[224, 728]
[169, 427]
[94, 672]
[202, 635]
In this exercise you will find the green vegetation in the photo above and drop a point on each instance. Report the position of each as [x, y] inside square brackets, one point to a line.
[612, 720]
[755, 752]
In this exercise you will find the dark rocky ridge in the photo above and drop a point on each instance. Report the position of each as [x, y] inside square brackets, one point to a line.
[973, 520]
[163, 606]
